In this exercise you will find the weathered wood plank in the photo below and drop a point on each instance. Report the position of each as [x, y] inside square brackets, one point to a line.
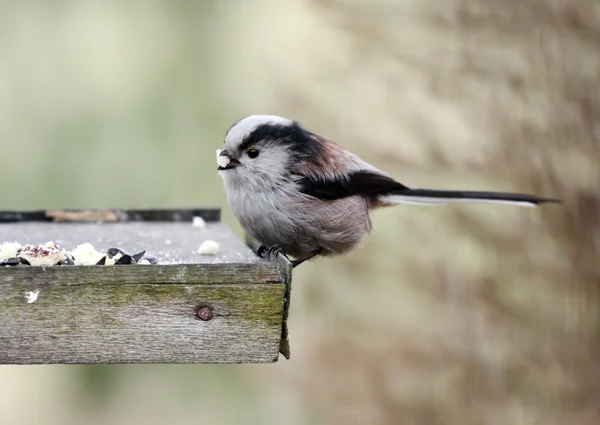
[140, 323]
[171, 273]
[285, 273]
[142, 313]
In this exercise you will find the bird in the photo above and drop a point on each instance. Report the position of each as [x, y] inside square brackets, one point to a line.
[303, 195]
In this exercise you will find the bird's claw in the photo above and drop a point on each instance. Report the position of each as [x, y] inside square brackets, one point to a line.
[269, 253]
[274, 251]
[261, 251]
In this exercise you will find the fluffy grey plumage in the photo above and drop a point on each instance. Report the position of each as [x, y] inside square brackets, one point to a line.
[295, 190]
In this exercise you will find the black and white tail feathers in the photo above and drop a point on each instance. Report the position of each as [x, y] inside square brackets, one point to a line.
[443, 197]
[381, 188]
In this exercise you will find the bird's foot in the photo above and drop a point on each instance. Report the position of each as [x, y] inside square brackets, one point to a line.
[298, 261]
[269, 253]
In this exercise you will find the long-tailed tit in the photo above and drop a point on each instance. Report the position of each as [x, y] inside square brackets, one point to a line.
[296, 192]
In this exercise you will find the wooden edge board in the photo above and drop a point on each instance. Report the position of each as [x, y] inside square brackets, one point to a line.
[285, 272]
[215, 274]
[111, 215]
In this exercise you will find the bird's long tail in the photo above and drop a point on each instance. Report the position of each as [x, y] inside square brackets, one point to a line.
[435, 197]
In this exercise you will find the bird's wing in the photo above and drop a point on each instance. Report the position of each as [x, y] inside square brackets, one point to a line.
[361, 182]
[332, 172]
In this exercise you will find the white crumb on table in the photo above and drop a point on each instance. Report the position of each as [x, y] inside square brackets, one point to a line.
[9, 250]
[86, 255]
[198, 222]
[143, 261]
[209, 247]
[46, 254]
[32, 296]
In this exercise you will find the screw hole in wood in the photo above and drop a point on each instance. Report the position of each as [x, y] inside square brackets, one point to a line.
[204, 312]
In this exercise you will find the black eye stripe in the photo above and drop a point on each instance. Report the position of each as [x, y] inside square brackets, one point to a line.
[299, 142]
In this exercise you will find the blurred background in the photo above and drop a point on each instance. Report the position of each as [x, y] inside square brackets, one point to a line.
[460, 315]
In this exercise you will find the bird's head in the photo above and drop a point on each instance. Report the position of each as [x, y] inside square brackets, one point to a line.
[261, 147]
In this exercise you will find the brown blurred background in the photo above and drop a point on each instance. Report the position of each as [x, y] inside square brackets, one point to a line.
[460, 315]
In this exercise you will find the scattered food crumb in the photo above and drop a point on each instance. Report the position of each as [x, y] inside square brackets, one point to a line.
[150, 258]
[46, 254]
[9, 250]
[209, 247]
[32, 296]
[199, 222]
[110, 261]
[86, 255]
[14, 254]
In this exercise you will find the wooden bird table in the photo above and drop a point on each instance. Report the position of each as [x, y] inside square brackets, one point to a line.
[230, 307]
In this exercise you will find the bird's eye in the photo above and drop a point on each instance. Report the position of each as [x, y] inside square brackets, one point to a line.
[252, 153]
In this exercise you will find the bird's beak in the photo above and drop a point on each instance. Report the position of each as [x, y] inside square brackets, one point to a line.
[225, 162]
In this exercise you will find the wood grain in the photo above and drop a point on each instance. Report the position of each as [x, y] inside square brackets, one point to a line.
[171, 273]
[140, 323]
[285, 276]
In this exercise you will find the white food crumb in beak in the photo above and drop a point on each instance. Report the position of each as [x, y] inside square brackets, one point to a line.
[32, 296]
[208, 247]
[222, 161]
[198, 222]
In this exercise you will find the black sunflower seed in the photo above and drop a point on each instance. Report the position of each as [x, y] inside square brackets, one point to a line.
[11, 262]
[151, 259]
[137, 257]
[111, 252]
[68, 261]
[125, 259]
[101, 261]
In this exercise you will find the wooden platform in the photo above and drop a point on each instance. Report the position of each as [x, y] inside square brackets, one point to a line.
[189, 308]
